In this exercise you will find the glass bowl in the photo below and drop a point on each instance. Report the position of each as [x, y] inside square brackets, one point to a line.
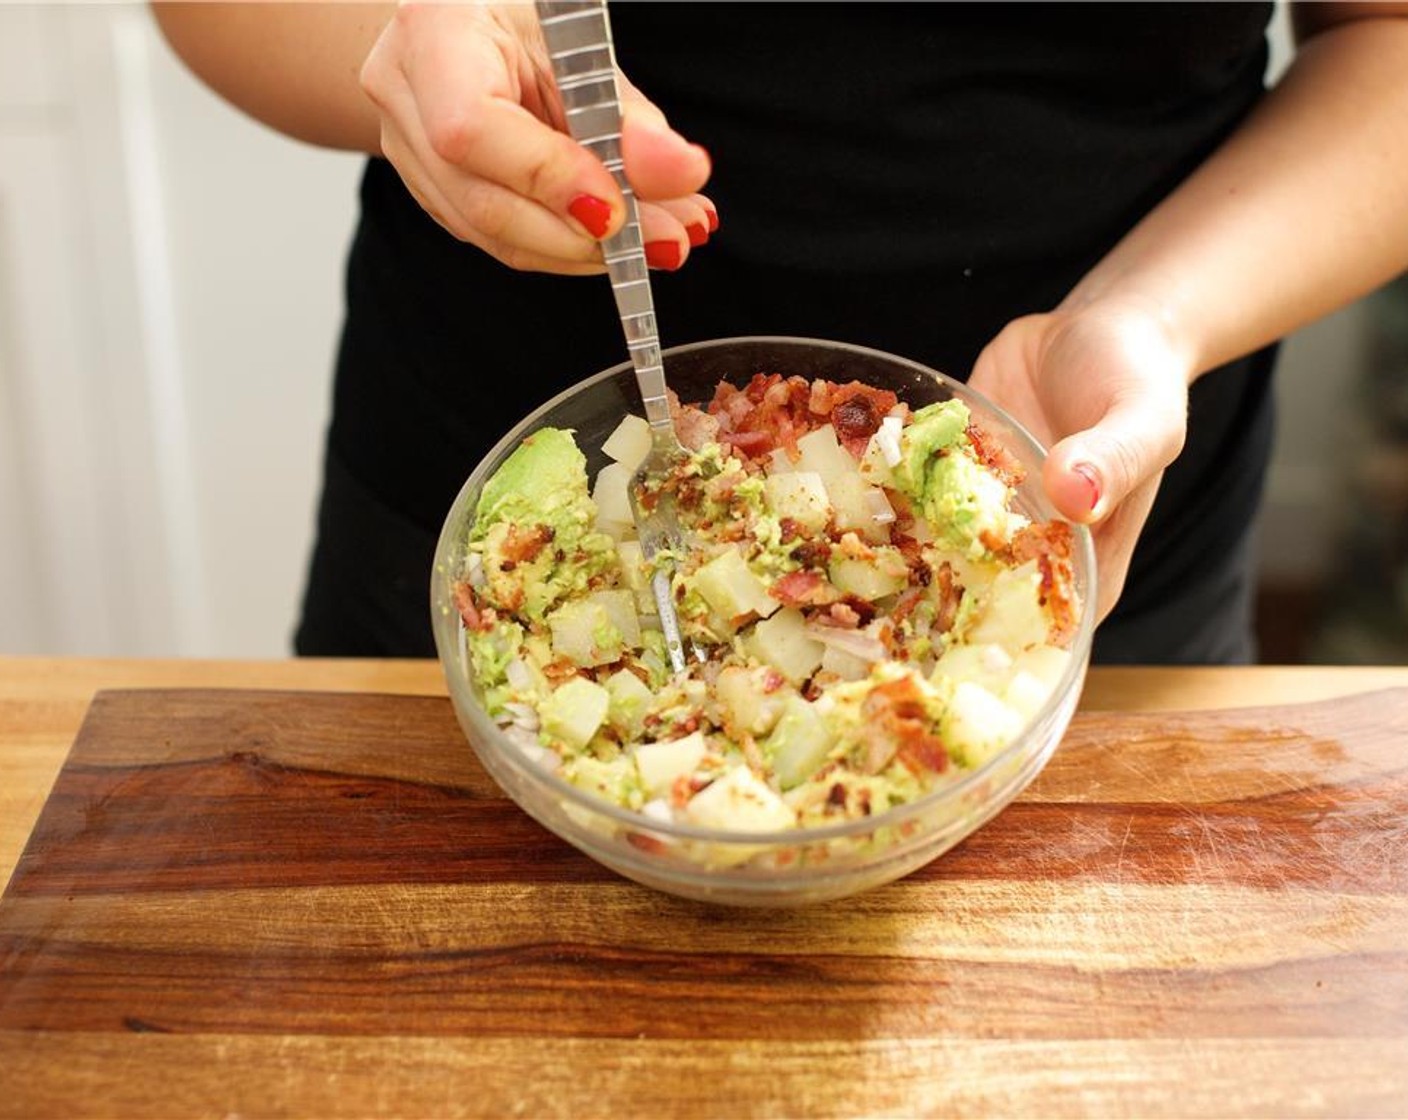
[776, 868]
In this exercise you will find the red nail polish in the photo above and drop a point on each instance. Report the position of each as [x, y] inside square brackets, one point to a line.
[1092, 481]
[592, 212]
[697, 233]
[713, 216]
[663, 254]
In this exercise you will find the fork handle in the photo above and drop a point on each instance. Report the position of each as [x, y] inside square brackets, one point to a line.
[578, 36]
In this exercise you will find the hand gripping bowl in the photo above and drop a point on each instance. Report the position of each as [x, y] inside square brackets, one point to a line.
[742, 868]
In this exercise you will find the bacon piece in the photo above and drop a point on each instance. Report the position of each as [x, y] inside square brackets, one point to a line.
[948, 593]
[844, 615]
[853, 548]
[855, 411]
[1049, 543]
[522, 546]
[804, 589]
[855, 418]
[559, 670]
[769, 412]
[989, 451]
[1043, 538]
[477, 619]
[695, 428]
[896, 724]
[751, 445]
[908, 599]
[813, 553]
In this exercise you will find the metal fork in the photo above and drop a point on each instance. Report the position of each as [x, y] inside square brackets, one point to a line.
[578, 37]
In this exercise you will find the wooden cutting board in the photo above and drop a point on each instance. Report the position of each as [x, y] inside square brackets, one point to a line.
[317, 904]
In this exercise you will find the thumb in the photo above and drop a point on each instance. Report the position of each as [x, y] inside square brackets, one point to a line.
[1088, 474]
[660, 163]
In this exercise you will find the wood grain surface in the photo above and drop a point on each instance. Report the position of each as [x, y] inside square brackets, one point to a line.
[293, 903]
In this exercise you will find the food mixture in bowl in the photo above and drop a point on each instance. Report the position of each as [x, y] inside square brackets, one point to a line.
[877, 617]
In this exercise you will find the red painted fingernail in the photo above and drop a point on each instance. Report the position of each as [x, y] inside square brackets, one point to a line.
[592, 212]
[663, 254]
[713, 216]
[697, 233]
[1092, 481]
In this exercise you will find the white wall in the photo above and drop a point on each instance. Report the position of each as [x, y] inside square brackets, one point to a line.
[170, 285]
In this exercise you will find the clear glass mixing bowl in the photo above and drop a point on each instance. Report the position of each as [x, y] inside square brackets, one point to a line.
[777, 868]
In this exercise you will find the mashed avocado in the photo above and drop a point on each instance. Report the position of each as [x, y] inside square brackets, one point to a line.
[534, 528]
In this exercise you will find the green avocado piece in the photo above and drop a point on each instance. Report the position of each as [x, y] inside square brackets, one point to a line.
[931, 431]
[544, 478]
[534, 530]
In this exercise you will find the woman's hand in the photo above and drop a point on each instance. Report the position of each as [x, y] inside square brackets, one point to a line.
[471, 119]
[1105, 388]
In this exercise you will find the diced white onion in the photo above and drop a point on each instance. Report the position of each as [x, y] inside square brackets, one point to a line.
[532, 750]
[522, 715]
[887, 438]
[855, 642]
[518, 674]
[474, 571]
[658, 809]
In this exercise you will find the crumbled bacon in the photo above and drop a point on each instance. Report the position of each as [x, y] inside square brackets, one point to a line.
[813, 553]
[769, 412]
[896, 724]
[1045, 538]
[905, 604]
[477, 619]
[522, 545]
[693, 426]
[991, 541]
[751, 445]
[853, 548]
[993, 455]
[948, 593]
[559, 670]
[773, 411]
[804, 589]
[844, 615]
[855, 419]
[856, 411]
[1049, 544]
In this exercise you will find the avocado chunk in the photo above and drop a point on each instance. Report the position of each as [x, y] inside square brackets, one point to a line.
[544, 477]
[533, 528]
[931, 431]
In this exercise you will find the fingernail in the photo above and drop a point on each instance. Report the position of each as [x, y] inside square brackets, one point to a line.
[697, 233]
[1088, 474]
[713, 216]
[663, 254]
[592, 212]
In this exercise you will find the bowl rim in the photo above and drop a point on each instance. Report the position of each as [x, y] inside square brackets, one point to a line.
[489, 736]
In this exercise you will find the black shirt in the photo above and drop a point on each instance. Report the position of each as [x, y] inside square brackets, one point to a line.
[910, 177]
